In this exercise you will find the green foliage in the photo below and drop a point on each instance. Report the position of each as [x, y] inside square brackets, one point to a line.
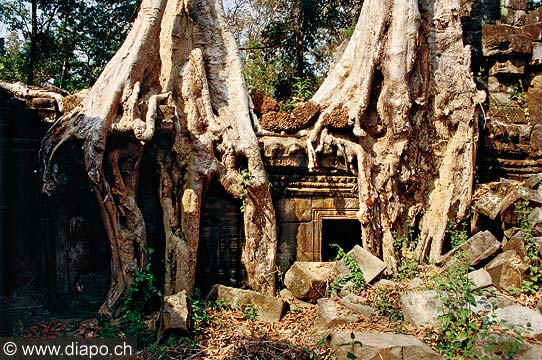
[405, 254]
[336, 285]
[288, 106]
[304, 88]
[321, 344]
[142, 300]
[244, 182]
[133, 326]
[352, 344]
[249, 312]
[200, 316]
[507, 347]
[144, 294]
[356, 274]
[519, 97]
[386, 304]
[533, 280]
[457, 237]
[261, 73]
[312, 354]
[12, 61]
[284, 39]
[459, 324]
[68, 44]
[107, 329]
[514, 291]
[218, 304]
[174, 347]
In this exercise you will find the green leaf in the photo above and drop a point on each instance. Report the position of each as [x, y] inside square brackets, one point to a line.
[462, 336]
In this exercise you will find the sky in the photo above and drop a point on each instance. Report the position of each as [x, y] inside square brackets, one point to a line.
[228, 3]
[3, 30]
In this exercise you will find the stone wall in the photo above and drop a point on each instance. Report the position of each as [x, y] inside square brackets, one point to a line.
[53, 251]
[56, 251]
[507, 63]
[221, 241]
[303, 201]
[22, 215]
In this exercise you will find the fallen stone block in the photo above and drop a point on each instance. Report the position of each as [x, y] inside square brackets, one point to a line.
[493, 345]
[515, 66]
[370, 265]
[309, 280]
[379, 346]
[174, 315]
[532, 182]
[483, 305]
[386, 283]
[415, 283]
[289, 298]
[358, 304]
[506, 270]
[517, 244]
[501, 39]
[523, 319]
[509, 210]
[500, 197]
[348, 288]
[479, 247]
[538, 241]
[480, 278]
[536, 58]
[268, 308]
[329, 314]
[515, 4]
[536, 219]
[489, 203]
[497, 300]
[422, 309]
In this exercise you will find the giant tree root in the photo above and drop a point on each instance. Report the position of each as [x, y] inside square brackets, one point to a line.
[180, 54]
[403, 85]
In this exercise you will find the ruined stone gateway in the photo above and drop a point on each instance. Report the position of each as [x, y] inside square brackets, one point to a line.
[177, 157]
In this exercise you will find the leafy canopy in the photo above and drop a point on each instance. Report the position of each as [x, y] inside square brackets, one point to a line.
[64, 43]
[286, 42]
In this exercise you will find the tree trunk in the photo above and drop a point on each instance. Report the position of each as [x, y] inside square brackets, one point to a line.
[403, 87]
[179, 57]
[33, 53]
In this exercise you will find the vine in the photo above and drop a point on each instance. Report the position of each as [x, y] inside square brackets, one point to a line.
[533, 281]
[244, 182]
[356, 274]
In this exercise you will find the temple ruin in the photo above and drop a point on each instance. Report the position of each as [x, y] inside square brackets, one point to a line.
[55, 250]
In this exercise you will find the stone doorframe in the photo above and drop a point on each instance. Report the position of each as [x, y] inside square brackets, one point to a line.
[318, 216]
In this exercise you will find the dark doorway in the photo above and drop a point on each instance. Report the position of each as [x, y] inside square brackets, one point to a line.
[221, 241]
[344, 232]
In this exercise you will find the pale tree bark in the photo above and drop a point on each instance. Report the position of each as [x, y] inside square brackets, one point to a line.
[29, 92]
[403, 87]
[178, 56]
